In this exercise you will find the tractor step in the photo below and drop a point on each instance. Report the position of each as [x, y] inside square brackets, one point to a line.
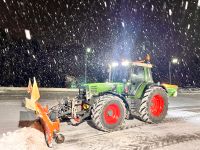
[133, 103]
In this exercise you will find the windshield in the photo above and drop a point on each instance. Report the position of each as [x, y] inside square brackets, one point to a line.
[124, 74]
[136, 74]
[119, 74]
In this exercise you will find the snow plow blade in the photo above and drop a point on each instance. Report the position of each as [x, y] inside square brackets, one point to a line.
[35, 95]
[37, 117]
[51, 128]
[27, 118]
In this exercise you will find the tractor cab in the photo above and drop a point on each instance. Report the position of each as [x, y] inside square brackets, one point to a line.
[140, 74]
[132, 74]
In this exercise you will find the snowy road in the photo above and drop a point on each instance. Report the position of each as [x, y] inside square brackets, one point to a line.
[180, 130]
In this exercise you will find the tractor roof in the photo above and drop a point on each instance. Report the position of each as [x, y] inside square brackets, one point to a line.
[142, 64]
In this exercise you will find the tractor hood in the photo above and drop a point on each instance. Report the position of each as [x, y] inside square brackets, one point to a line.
[97, 88]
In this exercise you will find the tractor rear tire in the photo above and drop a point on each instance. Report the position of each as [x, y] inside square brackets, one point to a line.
[108, 113]
[154, 105]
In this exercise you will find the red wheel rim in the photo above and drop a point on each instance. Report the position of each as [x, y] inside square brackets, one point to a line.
[157, 106]
[112, 113]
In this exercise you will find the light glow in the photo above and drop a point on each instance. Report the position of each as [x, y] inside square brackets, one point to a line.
[88, 50]
[175, 61]
[125, 63]
[115, 64]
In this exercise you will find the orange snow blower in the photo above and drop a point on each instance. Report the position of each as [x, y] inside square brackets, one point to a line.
[37, 117]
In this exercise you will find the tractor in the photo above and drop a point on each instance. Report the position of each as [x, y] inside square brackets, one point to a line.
[130, 93]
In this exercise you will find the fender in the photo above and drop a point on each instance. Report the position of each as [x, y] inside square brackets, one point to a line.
[156, 85]
[144, 86]
[115, 94]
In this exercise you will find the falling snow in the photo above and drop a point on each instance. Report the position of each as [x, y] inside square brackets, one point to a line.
[188, 26]
[186, 5]
[123, 24]
[198, 3]
[105, 4]
[152, 7]
[6, 30]
[170, 12]
[49, 39]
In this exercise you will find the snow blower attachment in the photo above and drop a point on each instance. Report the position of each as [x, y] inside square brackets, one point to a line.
[38, 117]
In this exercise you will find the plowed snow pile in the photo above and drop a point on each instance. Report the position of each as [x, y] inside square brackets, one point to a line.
[23, 139]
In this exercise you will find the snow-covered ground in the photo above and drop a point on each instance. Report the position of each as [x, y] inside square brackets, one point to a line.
[23, 139]
[189, 90]
[180, 128]
[169, 135]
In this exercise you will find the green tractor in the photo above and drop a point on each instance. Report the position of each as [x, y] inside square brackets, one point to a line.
[130, 93]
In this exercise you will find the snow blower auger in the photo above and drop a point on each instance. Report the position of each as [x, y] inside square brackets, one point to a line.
[130, 93]
[38, 117]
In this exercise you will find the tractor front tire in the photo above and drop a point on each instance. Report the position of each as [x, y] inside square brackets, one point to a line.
[108, 113]
[154, 105]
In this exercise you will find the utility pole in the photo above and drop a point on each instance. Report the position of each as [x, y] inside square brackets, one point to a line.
[170, 77]
[173, 61]
[88, 50]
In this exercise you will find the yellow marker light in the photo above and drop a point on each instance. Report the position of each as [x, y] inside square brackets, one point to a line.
[85, 106]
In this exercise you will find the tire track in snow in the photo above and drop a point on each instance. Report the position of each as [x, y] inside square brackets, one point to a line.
[147, 143]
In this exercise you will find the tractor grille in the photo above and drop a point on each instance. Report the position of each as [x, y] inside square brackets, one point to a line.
[93, 89]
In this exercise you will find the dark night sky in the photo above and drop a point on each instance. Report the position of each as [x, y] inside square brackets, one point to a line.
[61, 31]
